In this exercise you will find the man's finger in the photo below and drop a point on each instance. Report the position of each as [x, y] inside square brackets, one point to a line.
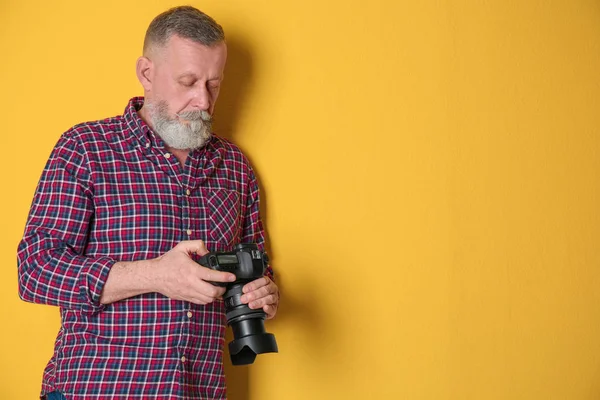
[263, 291]
[210, 275]
[270, 310]
[210, 290]
[263, 301]
[255, 284]
[194, 247]
[200, 299]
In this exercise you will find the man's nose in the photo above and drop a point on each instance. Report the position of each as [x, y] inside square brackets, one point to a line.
[201, 99]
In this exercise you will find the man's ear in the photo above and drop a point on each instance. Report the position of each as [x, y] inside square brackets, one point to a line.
[144, 70]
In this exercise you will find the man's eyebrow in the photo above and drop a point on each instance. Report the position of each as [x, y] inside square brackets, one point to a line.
[187, 75]
[194, 76]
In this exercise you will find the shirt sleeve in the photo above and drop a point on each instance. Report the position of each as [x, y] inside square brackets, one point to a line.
[52, 265]
[252, 229]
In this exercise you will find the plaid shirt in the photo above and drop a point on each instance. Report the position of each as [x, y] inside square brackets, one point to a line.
[111, 192]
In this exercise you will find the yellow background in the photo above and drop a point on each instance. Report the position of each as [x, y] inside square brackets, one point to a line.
[430, 176]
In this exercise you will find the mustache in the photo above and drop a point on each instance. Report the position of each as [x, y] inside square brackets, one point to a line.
[199, 115]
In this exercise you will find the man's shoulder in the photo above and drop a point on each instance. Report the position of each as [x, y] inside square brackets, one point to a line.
[109, 129]
[221, 142]
[229, 149]
[232, 158]
[95, 129]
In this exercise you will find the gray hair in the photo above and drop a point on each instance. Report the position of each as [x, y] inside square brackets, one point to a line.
[186, 22]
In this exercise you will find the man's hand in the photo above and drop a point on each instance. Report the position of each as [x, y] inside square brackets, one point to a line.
[262, 293]
[181, 278]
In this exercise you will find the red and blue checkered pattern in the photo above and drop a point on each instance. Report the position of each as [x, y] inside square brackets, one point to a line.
[110, 192]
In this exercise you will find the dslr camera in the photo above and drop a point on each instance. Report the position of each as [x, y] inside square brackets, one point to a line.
[248, 263]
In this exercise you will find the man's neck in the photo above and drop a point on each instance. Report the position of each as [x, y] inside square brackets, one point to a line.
[145, 115]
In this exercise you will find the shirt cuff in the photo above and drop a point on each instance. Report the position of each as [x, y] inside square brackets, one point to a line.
[92, 278]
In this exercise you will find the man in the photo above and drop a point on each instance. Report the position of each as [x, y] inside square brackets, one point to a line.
[123, 207]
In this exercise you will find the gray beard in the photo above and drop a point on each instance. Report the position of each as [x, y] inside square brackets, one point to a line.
[191, 135]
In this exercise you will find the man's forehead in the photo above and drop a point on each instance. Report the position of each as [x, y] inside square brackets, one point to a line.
[188, 57]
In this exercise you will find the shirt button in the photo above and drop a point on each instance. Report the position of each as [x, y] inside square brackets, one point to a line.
[147, 145]
[189, 232]
[189, 314]
[187, 192]
[183, 358]
[168, 155]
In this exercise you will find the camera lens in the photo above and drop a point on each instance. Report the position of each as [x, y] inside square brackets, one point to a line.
[249, 335]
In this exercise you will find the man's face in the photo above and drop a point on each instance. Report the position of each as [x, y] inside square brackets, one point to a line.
[185, 84]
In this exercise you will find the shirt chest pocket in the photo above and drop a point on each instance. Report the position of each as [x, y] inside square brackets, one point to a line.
[224, 216]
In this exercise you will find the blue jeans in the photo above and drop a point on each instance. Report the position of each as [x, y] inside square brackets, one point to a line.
[56, 395]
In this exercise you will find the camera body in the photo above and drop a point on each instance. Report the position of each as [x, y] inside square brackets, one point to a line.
[247, 262]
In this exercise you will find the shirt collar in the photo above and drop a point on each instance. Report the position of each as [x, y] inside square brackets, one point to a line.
[212, 151]
[141, 131]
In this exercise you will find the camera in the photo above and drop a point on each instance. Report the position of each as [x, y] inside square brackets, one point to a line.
[248, 263]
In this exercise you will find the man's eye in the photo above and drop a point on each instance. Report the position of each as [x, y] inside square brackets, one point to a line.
[187, 83]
